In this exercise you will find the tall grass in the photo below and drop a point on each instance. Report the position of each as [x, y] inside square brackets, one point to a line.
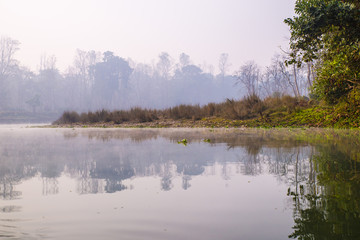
[247, 108]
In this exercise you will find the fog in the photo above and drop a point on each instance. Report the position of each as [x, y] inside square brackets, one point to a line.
[142, 29]
[102, 80]
[105, 81]
[90, 55]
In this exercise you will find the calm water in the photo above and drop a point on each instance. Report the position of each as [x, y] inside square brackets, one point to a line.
[143, 184]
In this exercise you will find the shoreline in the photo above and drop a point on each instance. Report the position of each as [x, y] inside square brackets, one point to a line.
[185, 123]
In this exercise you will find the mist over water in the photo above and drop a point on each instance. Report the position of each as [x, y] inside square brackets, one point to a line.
[128, 183]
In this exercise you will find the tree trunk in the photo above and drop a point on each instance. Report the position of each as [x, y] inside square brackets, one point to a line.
[309, 65]
[295, 81]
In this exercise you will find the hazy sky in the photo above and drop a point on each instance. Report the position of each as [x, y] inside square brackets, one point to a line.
[142, 29]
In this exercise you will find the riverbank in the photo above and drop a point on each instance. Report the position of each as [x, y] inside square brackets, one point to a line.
[251, 111]
[160, 123]
[312, 117]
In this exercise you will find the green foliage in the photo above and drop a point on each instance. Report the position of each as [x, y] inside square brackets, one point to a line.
[328, 31]
[322, 24]
[333, 212]
[339, 74]
[183, 141]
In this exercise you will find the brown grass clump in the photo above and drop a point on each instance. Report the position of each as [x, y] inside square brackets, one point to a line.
[68, 117]
[250, 107]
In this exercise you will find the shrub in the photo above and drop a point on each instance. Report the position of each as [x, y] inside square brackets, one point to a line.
[228, 109]
[68, 117]
[140, 115]
[184, 112]
[254, 106]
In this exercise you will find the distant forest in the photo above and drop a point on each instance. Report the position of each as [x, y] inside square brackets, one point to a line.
[106, 81]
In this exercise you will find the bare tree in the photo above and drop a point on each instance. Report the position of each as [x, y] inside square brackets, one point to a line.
[8, 48]
[250, 76]
[290, 76]
[224, 64]
[290, 72]
[164, 66]
[47, 62]
[274, 81]
[8, 64]
[83, 61]
[50, 79]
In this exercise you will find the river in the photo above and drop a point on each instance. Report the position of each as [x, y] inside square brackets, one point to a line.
[179, 183]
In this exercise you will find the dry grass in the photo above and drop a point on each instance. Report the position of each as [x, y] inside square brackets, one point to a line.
[248, 108]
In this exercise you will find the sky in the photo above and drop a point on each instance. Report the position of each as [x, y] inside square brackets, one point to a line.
[142, 29]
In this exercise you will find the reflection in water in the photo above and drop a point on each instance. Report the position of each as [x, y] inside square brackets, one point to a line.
[327, 201]
[321, 174]
[8, 209]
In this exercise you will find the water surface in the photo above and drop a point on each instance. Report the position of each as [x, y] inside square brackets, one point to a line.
[148, 184]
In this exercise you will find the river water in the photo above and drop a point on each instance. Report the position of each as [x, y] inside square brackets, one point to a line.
[179, 184]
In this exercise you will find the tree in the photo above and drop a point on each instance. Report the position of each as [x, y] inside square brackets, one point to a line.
[164, 65]
[47, 62]
[224, 64]
[81, 76]
[111, 78]
[50, 80]
[328, 31]
[291, 77]
[184, 60]
[34, 102]
[276, 78]
[8, 48]
[190, 86]
[326, 207]
[249, 75]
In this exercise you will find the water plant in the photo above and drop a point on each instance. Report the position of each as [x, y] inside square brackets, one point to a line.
[183, 141]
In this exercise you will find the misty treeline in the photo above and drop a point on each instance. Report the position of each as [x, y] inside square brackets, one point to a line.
[106, 81]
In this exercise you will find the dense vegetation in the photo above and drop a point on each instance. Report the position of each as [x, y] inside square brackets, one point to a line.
[328, 33]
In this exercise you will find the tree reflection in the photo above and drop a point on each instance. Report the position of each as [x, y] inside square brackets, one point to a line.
[7, 191]
[9, 209]
[186, 182]
[50, 186]
[321, 171]
[328, 205]
[166, 181]
[11, 174]
[113, 170]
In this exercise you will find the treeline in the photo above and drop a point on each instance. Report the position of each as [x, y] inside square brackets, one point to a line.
[106, 81]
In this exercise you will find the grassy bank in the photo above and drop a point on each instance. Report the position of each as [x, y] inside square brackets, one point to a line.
[251, 111]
